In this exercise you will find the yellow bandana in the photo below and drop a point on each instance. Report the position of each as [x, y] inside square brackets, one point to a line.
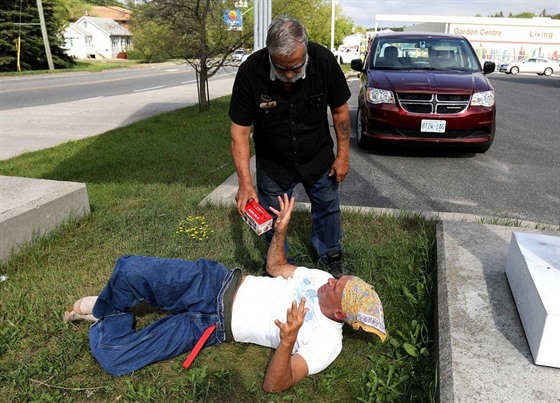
[362, 307]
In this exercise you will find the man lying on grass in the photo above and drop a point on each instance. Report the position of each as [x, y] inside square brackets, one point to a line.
[205, 296]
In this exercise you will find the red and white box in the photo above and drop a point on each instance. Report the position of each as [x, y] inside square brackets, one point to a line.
[257, 217]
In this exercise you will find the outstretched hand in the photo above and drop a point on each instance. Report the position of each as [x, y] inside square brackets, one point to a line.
[294, 320]
[285, 213]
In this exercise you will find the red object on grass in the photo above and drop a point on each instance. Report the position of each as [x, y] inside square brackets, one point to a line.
[198, 346]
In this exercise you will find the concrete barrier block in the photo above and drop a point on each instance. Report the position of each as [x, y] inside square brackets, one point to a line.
[533, 272]
[32, 207]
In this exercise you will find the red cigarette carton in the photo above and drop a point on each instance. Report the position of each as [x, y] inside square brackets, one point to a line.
[257, 217]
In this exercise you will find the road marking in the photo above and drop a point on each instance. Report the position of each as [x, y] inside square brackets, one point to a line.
[151, 88]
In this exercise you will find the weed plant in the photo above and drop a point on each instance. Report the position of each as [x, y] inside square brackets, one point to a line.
[144, 182]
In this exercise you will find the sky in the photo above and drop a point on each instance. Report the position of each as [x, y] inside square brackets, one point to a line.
[363, 12]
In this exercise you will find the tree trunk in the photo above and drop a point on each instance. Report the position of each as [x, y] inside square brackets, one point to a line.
[203, 94]
[203, 102]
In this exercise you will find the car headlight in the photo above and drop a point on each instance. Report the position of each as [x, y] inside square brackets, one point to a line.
[485, 98]
[377, 96]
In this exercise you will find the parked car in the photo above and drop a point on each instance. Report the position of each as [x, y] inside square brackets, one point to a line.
[421, 88]
[531, 65]
[238, 55]
[347, 54]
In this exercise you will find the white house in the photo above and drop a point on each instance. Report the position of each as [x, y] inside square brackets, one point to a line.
[77, 42]
[95, 37]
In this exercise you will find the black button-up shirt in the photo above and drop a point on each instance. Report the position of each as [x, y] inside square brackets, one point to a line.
[290, 129]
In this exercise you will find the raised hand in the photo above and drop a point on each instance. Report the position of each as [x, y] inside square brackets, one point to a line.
[285, 214]
[294, 320]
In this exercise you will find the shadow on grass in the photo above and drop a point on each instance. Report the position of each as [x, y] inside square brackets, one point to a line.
[184, 146]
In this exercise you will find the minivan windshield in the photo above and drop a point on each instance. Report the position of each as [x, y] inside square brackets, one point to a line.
[424, 54]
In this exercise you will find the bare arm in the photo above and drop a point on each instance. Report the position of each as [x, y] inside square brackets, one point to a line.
[285, 369]
[341, 123]
[241, 152]
[276, 262]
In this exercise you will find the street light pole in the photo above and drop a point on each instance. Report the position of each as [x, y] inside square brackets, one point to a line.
[332, 24]
[263, 13]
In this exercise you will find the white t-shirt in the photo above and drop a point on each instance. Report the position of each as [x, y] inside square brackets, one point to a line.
[260, 300]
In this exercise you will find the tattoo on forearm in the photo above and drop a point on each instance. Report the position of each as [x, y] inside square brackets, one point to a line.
[343, 129]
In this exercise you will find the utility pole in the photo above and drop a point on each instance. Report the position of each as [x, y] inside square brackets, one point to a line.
[45, 36]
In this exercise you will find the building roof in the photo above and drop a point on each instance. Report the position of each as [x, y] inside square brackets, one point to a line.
[113, 12]
[111, 27]
[79, 29]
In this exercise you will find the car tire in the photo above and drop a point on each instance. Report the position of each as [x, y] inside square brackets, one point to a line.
[360, 139]
[483, 148]
[547, 71]
[514, 70]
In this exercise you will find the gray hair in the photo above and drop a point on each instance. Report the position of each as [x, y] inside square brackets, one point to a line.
[284, 36]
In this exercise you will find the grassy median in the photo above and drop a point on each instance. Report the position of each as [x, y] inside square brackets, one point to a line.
[145, 182]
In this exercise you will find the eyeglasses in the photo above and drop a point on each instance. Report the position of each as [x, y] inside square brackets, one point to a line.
[286, 69]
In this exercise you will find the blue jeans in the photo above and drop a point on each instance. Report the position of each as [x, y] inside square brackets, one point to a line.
[192, 291]
[326, 233]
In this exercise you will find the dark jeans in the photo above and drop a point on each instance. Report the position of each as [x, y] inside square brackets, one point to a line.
[192, 291]
[325, 209]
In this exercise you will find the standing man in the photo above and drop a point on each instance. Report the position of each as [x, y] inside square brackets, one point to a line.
[283, 91]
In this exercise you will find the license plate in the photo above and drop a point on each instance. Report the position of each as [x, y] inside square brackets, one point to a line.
[433, 126]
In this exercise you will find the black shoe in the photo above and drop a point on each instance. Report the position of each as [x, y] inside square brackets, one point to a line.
[333, 264]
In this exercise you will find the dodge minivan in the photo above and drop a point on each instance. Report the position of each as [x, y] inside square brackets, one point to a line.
[424, 88]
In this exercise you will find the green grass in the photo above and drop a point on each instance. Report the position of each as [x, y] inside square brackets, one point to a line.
[142, 181]
[82, 65]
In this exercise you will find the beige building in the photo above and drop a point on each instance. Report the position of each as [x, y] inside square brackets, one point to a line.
[496, 39]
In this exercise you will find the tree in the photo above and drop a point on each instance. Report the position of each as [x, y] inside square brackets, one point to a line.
[72, 10]
[154, 41]
[316, 16]
[526, 14]
[193, 30]
[19, 21]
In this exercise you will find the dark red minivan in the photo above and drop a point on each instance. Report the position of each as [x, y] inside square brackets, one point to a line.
[424, 88]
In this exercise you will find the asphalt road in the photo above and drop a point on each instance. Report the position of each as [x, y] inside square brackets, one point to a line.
[518, 178]
[46, 89]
